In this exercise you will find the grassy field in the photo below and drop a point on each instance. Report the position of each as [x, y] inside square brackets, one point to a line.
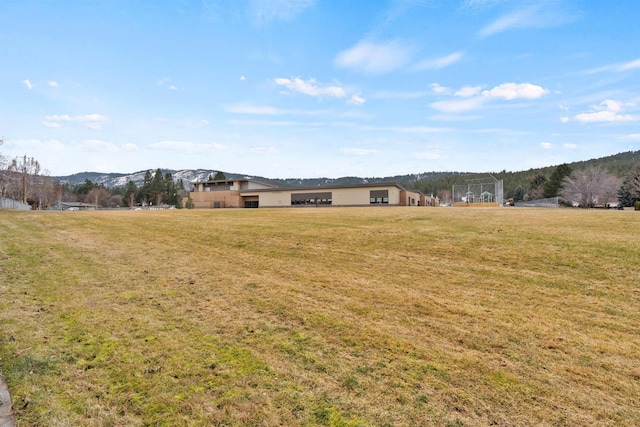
[339, 317]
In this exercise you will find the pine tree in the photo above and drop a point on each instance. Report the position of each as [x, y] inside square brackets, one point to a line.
[219, 176]
[157, 187]
[130, 191]
[629, 192]
[171, 194]
[552, 187]
[144, 195]
[518, 196]
[189, 204]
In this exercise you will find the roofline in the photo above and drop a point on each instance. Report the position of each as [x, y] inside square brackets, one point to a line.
[231, 181]
[328, 187]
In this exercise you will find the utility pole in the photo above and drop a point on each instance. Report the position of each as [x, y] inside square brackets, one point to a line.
[24, 180]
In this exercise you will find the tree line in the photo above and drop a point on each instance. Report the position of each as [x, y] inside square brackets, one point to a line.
[588, 185]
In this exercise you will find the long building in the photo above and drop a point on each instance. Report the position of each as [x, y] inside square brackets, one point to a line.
[249, 193]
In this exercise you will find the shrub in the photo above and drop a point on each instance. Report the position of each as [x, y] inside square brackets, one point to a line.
[636, 206]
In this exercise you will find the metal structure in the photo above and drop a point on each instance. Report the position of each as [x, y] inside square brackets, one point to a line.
[14, 204]
[539, 203]
[478, 190]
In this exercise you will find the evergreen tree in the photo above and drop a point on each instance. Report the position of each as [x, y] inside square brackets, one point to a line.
[219, 176]
[629, 192]
[189, 204]
[171, 195]
[85, 187]
[144, 195]
[518, 195]
[552, 187]
[536, 186]
[130, 192]
[157, 187]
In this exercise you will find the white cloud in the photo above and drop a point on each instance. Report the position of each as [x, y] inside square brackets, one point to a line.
[468, 91]
[52, 83]
[243, 78]
[436, 88]
[358, 151]
[187, 147]
[605, 116]
[28, 84]
[437, 63]
[564, 119]
[546, 145]
[311, 88]
[172, 87]
[161, 81]
[612, 105]
[608, 111]
[632, 65]
[570, 146]
[618, 67]
[356, 100]
[458, 106]
[57, 118]
[90, 121]
[474, 97]
[511, 91]
[264, 12]
[633, 137]
[130, 148]
[542, 14]
[374, 58]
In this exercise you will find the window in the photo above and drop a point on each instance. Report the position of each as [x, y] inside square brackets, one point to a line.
[311, 199]
[251, 204]
[379, 197]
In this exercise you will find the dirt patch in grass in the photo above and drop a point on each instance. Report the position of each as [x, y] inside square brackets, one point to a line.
[398, 316]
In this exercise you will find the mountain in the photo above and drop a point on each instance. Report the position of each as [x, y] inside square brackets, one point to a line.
[188, 176]
[428, 182]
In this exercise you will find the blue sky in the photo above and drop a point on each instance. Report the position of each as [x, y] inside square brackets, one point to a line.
[311, 88]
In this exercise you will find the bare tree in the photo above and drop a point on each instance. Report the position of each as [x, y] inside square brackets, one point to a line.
[98, 196]
[4, 177]
[115, 201]
[445, 196]
[589, 187]
[24, 177]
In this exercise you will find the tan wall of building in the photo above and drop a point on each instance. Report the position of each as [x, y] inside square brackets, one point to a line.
[409, 198]
[339, 196]
[225, 199]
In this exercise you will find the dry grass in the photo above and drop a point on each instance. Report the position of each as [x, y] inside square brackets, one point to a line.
[341, 317]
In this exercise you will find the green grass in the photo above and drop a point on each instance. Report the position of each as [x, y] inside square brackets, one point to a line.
[331, 317]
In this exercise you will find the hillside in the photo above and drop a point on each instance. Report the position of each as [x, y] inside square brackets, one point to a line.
[427, 182]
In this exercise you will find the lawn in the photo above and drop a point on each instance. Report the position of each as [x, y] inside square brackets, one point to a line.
[322, 316]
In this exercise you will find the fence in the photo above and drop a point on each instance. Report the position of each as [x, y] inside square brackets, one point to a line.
[14, 204]
[540, 203]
